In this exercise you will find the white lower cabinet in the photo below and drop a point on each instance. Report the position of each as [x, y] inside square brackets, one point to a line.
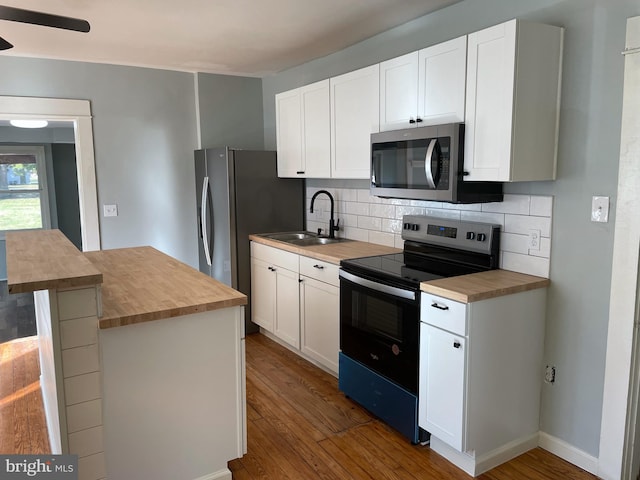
[287, 323]
[480, 379]
[441, 410]
[275, 303]
[297, 300]
[320, 312]
[263, 294]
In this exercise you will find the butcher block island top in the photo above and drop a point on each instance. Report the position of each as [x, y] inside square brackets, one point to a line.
[46, 259]
[483, 285]
[139, 284]
[142, 284]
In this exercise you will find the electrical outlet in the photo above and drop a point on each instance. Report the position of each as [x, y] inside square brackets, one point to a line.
[550, 374]
[600, 209]
[110, 210]
[534, 239]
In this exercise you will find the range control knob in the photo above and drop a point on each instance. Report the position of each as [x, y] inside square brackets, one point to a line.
[415, 227]
[407, 226]
[481, 237]
[471, 236]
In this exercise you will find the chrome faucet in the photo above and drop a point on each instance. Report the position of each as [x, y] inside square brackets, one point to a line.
[333, 227]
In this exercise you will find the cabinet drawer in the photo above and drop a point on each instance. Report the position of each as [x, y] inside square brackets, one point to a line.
[322, 271]
[275, 256]
[444, 313]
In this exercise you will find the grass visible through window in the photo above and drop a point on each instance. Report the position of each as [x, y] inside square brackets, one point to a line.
[20, 211]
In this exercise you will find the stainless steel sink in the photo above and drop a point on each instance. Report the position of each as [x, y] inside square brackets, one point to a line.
[303, 239]
[303, 242]
[289, 236]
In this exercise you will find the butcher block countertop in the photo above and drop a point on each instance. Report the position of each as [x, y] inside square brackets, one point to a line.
[483, 285]
[46, 259]
[333, 252]
[138, 284]
[142, 284]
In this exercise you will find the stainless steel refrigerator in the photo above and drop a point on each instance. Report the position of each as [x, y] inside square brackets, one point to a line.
[238, 193]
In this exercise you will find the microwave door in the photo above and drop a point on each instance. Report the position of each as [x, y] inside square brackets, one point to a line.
[414, 168]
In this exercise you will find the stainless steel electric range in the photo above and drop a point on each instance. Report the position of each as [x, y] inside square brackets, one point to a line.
[380, 312]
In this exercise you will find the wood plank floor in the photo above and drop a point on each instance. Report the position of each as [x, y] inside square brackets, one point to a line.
[22, 422]
[301, 427]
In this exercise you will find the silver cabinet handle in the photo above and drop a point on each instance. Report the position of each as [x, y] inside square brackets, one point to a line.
[427, 163]
[203, 220]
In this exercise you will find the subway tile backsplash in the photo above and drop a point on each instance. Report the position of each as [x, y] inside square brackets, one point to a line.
[379, 220]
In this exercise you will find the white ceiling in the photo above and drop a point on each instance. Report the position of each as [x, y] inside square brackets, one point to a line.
[239, 37]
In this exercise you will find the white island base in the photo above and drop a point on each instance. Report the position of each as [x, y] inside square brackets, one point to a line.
[173, 403]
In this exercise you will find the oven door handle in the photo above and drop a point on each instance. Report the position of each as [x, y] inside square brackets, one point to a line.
[380, 287]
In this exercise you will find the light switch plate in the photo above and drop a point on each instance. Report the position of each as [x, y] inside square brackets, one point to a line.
[110, 210]
[599, 209]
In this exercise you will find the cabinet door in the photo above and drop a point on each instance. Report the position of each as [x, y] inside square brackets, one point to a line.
[289, 134]
[263, 294]
[316, 136]
[287, 316]
[489, 108]
[399, 92]
[320, 320]
[441, 86]
[441, 397]
[355, 115]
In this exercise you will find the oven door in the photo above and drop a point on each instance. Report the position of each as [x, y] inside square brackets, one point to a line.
[379, 327]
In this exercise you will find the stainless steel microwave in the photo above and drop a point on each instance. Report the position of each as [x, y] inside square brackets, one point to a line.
[426, 163]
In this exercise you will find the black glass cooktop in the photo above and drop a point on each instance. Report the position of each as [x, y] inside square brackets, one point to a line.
[418, 263]
[389, 267]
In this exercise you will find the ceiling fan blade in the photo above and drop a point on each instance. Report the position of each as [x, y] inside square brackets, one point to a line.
[4, 45]
[44, 19]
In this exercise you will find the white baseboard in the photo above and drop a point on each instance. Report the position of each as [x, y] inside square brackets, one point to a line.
[505, 453]
[475, 466]
[568, 452]
[224, 474]
[300, 353]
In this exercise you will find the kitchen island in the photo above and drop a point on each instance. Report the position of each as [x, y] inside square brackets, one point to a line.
[142, 359]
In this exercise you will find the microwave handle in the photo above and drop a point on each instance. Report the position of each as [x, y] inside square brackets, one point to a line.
[427, 163]
[373, 171]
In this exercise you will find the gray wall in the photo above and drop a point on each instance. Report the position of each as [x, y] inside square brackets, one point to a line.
[144, 128]
[230, 111]
[65, 179]
[581, 251]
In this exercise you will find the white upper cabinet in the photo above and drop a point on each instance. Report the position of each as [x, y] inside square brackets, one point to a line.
[399, 92]
[442, 75]
[424, 88]
[512, 104]
[355, 115]
[303, 133]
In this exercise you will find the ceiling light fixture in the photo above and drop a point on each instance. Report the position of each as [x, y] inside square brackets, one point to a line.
[29, 123]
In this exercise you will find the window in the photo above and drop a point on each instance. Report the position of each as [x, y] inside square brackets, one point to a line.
[23, 189]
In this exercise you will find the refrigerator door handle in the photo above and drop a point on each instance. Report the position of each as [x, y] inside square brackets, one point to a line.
[203, 220]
